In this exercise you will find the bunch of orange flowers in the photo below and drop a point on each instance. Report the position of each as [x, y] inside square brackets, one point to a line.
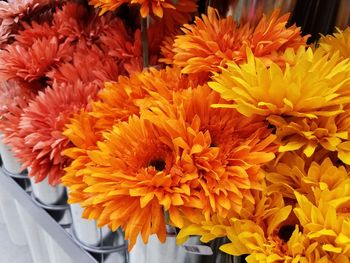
[237, 130]
[244, 135]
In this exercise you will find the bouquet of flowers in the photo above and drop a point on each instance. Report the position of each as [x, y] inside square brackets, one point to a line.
[236, 130]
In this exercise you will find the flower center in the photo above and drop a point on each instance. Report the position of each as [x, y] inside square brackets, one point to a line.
[158, 164]
[286, 232]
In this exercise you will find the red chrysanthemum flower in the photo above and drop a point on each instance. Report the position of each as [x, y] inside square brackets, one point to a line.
[210, 42]
[42, 124]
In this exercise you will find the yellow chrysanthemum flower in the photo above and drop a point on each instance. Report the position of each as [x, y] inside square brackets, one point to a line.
[311, 135]
[248, 238]
[259, 209]
[338, 42]
[311, 84]
[305, 101]
[293, 173]
[326, 221]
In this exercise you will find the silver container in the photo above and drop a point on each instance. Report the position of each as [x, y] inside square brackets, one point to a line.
[105, 246]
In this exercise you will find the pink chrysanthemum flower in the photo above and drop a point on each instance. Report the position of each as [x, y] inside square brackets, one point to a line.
[14, 98]
[89, 64]
[32, 63]
[41, 127]
[16, 9]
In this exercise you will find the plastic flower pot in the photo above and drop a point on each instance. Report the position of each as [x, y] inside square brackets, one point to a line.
[106, 246]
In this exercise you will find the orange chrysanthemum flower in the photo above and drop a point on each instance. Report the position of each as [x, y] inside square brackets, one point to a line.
[219, 151]
[154, 7]
[210, 42]
[118, 100]
[41, 128]
[83, 135]
[130, 179]
[173, 18]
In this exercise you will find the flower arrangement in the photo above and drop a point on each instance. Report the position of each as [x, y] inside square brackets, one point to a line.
[234, 131]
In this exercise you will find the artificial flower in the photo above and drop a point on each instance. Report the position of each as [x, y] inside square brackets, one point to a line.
[41, 127]
[118, 100]
[173, 18]
[83, 135]
[326, 221]
[32, 63]
[16, 9]
[147, 7]
[246, 237]
[210, 42]
[258, 209]
[33, 31]
[312, 135]
[311, 84]
[130, 179]
[293, 173]
[14, 98]
[89, 64]
[305, 116]
[5, 32]
[220, 151]
[338, 42]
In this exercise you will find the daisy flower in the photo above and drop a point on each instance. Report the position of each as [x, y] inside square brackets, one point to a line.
[210, 42]
[41, 126]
